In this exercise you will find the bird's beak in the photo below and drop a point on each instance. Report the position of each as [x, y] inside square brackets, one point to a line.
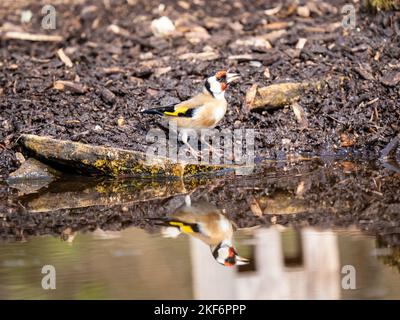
[240, 261]
[231, 77]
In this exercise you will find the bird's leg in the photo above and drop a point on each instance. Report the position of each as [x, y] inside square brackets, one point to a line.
[217, 151]
[193, 152]
[210, 147]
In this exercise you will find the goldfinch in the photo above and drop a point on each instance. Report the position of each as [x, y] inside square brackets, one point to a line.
[203, 111]
[204, 221]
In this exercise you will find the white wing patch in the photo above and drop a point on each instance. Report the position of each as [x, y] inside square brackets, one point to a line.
[224, 224]
[170, 232]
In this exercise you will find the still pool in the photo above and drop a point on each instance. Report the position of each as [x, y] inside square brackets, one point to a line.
[133, 264]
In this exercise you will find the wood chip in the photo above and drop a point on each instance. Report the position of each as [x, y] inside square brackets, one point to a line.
[275, 96]
[277, 25]
[151, 92]
[267, 73]
[326, 28]
[62, 85]
[112, 70]
[242, 57]
[202, 56]
[64, 58]
[107, 96]
[12, 67]
[257, 42]
[347, 140]
[15, 35]
[390, 148]
[391, 79]
[348, 166]
[303, 11]
[364, 71]
[183, 4]
[301, 43]
[160, 71]
[300, 114]
[274, 35]
[251, 96]
[273, 11]
[255, 207]
[118, 30]
[197, 34]
[121, 122]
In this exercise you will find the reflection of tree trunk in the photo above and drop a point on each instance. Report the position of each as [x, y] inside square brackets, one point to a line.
[75, 194]
[370, 278]
[321, 261]
[318, 278]
[271, 282]
[210, 280]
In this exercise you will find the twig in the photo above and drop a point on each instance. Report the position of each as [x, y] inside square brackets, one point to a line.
[16, 35]
[64, 58]
[391, 146]
[334, 119]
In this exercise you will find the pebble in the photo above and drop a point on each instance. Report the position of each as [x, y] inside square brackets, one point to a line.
[256, 64]
[303, 11]
[20, 157]
[162, 27]
[146, 56]
[26, 16]
[121, 122]
[267, 73]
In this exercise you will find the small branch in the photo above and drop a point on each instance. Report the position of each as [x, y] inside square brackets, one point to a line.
[15, 35]
[64, 58]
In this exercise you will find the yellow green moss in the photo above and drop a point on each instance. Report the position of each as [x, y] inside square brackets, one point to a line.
[384, 4]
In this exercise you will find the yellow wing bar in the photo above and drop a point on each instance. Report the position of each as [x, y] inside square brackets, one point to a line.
[183, 227]
[178, 111]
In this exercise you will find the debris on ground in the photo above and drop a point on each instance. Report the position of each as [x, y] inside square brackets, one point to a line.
[120, 67]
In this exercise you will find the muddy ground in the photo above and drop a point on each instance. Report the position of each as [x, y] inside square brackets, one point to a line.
[120, 67]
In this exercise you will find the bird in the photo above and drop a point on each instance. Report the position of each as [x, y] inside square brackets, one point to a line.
[203, 111]
[205, 222]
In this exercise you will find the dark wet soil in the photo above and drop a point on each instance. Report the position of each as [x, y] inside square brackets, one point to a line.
[121, 73]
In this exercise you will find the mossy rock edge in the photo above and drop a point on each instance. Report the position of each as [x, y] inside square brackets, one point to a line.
[100, 160]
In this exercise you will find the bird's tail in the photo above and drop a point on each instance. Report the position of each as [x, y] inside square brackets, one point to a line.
[158, 221]
[181, 225]
[152, 111]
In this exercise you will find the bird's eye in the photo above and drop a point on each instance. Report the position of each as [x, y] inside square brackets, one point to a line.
[229, 262]
[222, 78]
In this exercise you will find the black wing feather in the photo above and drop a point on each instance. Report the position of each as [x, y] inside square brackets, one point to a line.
[171, 108]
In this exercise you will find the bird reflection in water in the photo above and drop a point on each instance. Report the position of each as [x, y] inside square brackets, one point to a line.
[206, 222]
